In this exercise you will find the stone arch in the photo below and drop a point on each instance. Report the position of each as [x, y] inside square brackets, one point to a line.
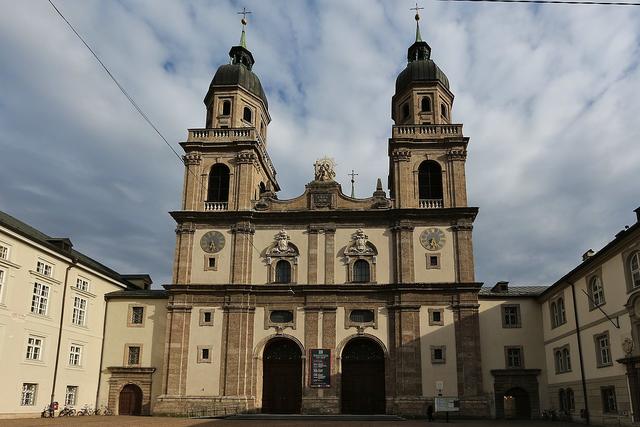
[364, 378]
[340, 347]
[130, 399]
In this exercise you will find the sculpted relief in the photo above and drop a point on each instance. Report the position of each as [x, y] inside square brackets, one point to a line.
[324, 169]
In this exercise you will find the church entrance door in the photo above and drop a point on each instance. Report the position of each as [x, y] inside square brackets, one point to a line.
[282, 377]
[363, 378]
[516, 404]
[130, 402]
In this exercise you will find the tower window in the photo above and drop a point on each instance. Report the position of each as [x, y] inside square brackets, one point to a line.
[425, 104]
[405, 111]
[443, 111]
[283, 272]
[263, 188]
[247, 115]
[226, 108]
[361, 271]
[218, 190]
[430, 180]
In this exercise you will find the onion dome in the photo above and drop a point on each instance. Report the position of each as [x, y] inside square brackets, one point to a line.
[420, 66]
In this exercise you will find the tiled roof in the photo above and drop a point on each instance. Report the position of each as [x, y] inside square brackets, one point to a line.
[138, 293]
[513, 291]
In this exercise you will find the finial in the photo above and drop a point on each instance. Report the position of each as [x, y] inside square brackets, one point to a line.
[379, 185]
[417, 18]
[243, 21]
[353, 175]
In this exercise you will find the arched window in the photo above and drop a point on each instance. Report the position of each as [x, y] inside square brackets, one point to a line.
[218, 190]
[247, 116]
[405, 111]
[634, 269]
[425, 104]
[561, 313]
[559, 361]
[226, 107]
[283, 272]
[361, 272]
[263, 188]
[430, 181]
[596, 291]
[554, 314]
[443, 111]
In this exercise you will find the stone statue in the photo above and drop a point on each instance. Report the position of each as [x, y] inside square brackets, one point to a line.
[282, 241]
[324, 169]
[360, 240]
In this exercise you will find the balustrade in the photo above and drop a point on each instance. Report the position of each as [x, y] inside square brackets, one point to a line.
[427, 131]
[216, 206]
[431, 203]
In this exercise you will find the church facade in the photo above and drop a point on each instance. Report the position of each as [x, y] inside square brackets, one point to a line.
[323, 303]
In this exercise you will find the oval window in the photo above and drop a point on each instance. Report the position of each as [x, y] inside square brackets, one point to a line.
[361, 316]
[281, 316]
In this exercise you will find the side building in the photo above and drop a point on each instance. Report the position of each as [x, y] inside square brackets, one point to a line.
[52, 310]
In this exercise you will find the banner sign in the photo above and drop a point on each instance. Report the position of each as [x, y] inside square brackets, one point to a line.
[320, 368]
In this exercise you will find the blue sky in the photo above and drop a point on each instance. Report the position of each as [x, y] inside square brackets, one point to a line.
[549, 95]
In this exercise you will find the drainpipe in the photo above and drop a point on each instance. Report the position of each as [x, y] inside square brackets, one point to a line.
[74, 261]
[104, 328]
[584, 382]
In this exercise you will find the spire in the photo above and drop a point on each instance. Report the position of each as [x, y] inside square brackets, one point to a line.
[420, 49]
[240, 54]
[417, 17]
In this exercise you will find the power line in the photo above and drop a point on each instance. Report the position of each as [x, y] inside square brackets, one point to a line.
[122, 89]
[568, 2]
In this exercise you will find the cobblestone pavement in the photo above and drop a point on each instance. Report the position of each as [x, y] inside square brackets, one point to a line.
[97, 421]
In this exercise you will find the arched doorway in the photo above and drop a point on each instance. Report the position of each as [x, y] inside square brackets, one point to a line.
[130, 402]
[282, 377]
[516, 404]
[363, 377]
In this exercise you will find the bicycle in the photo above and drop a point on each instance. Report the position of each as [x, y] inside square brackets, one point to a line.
[106, 411]
[86, 410]
[47, 412]
[67, 411]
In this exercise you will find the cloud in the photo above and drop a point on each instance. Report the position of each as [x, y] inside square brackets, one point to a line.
[549, 95]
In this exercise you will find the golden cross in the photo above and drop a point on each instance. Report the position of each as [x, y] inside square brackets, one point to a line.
[417, 9]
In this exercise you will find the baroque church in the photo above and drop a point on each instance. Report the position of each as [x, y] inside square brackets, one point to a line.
[325, 303]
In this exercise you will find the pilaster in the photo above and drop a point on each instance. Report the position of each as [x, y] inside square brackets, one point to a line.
[468, 361]
[183, 253]
[192, 189]
[237, 346]
[462, 234]
[402, 179]
[242, 252]
[403, 252]
[312, 260]
[329, 254]
[458, 180]
[178, 348]
[244, 191]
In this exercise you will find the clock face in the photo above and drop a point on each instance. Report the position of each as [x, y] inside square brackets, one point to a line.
[212, 242]
[432, 239]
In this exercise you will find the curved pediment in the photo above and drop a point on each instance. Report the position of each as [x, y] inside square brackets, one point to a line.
[324, 195]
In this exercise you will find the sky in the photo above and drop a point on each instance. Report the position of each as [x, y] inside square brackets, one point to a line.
[548, 94]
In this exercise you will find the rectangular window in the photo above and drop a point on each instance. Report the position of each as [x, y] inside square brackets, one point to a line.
[40, 299]
[133, 355]
[438, 354]
[514, 357]
[79, 311]
[28, 397]
[2, 274]
[558, 314]
[137, 315]
[206, 317]
[603, 350]
[433, 261]
[609, 399]
[4, 251]
[44, 268]
[82, 284]
[71, 395]
[436, 317]
[204, 354]
[34, 348]
[562, 359]
[75, 355]
[511, 316]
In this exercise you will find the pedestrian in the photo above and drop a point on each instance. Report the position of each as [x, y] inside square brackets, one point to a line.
[430, 413]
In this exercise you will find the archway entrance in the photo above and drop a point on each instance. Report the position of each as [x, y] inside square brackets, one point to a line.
[282, 377]
[516, 404]
[363, 377]
[130, 402]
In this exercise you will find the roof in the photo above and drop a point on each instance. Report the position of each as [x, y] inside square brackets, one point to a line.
[513, 291]
[53, 244]
[138, 293]
[238, 75]
[597, 258]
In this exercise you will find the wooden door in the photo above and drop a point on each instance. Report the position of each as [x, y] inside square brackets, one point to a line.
[363, 378]
[282, 378]
[130, 402]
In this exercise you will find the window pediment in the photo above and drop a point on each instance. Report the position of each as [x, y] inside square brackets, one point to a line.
[360, 245]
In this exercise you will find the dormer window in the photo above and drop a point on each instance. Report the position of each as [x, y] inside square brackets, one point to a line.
[425, 104]
[247, 115]
[226, 108]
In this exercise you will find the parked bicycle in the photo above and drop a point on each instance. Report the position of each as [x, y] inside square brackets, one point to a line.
[86, 410]
[47, 412]
[106, 411]
[67, 411]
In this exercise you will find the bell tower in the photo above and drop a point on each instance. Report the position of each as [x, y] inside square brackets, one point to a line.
[227, 164]
[427, 152]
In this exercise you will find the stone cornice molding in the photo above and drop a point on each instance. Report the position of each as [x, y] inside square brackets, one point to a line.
[185, 228]
[179, 308]
[246, 157]
[457, 154]
[243, 228]
[401, 155]
[193, 158]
